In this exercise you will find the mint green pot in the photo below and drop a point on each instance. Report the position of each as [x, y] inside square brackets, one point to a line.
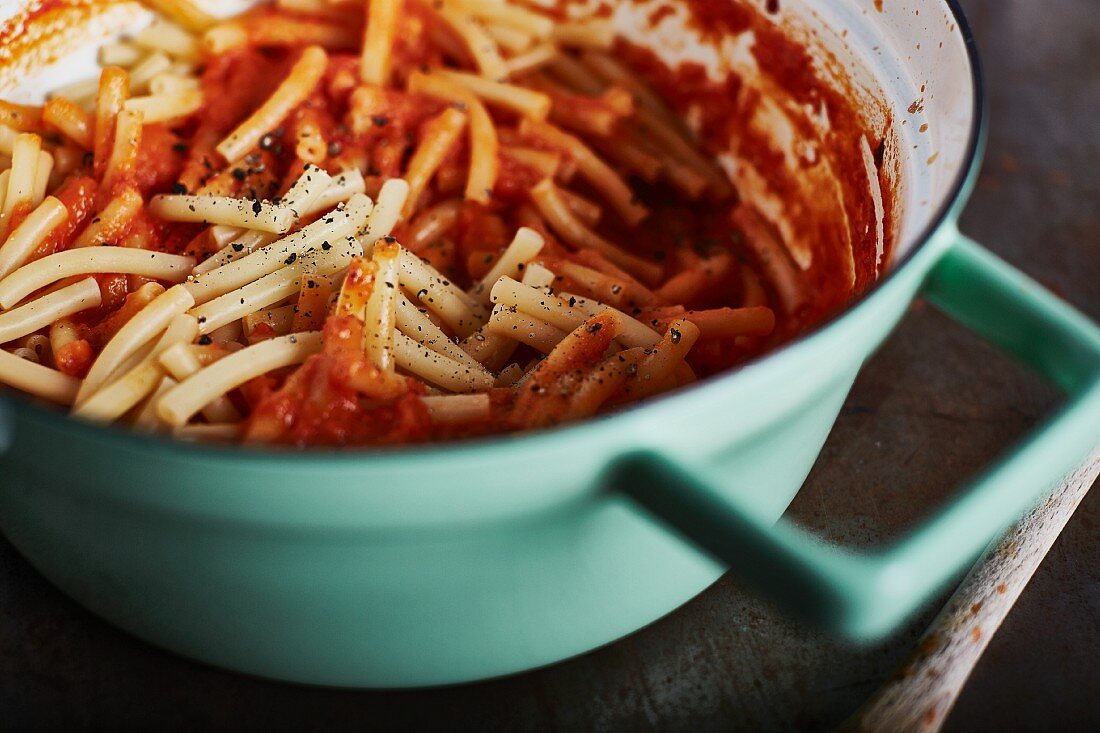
[439, 565]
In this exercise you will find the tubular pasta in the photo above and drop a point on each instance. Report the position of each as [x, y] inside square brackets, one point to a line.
[602, 177]
[261, 215]
[111, 221]
[525, 246]
[90, 260]
[142, 73]
[43, 311]
[185, 13]
[592, 33]
[526, 329]
[166, 105]
[385, 215]
[118, 397]
[114, 89]
[457, 408]
[530, 60]
[271, 288]
[22, 242]
[120, 53]
[69, 119]
[635, 333]
[208, 431]
[522, 101]
[180, 403]
[162, 35]
[380, 313]
[124, 153]
[440, 135]
[375, 60]
[484, 146]
[22, 117]
[437, 369]
[299, 83]
[439, 295]
[413, 322]
[480, 44]
[279, 320]
[35, 379]
[24, 171]
[181, 362]
[561, 219]
[329, 230]
[139, 330]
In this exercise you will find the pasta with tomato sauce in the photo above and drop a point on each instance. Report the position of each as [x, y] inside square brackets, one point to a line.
[325, 222]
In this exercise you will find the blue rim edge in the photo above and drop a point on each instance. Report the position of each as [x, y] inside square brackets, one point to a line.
[953, 203]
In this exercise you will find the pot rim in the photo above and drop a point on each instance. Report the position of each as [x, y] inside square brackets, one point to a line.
[319, 457]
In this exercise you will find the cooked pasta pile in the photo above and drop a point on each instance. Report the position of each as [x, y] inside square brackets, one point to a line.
[329, 223]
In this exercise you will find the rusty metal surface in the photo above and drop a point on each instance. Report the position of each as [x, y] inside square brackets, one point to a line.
[933, 406]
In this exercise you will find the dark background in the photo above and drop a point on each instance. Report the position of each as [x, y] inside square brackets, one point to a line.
[933, 406]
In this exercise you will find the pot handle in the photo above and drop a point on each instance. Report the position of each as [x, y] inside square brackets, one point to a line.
[867, 595]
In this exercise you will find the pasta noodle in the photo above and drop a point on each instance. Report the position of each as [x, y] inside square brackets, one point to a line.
[184, 12]
[139, 330]
[437, 369]
[414, 323]
[119, 54]
[598, 173]
[30, 233]
[162, 35]
[38, 380]
[41, 312]
[70, 120]
[378, 44]
[330, 231]
[520, 100]
[458, 408]
[272, 287]
[204, 386]
[557, 212]
[440, 135]
[124, 153]
[484, 146]
[292, 92]
[111, 221]
[113, 90]
[480, 44]
[439, 295]
[90, 260]
[181, 362]
[526, 329]
[166, 105]
[524, 247]
[261, 215]
[24, 171]
[118, 397]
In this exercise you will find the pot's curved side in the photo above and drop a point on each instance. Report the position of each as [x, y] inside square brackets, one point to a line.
[388, 606]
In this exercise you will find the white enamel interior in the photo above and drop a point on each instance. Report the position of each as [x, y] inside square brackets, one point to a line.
[917, 54]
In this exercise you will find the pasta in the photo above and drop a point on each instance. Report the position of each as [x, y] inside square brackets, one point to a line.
[395, 221]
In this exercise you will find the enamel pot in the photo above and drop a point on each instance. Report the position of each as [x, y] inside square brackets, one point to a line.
[435, 565]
